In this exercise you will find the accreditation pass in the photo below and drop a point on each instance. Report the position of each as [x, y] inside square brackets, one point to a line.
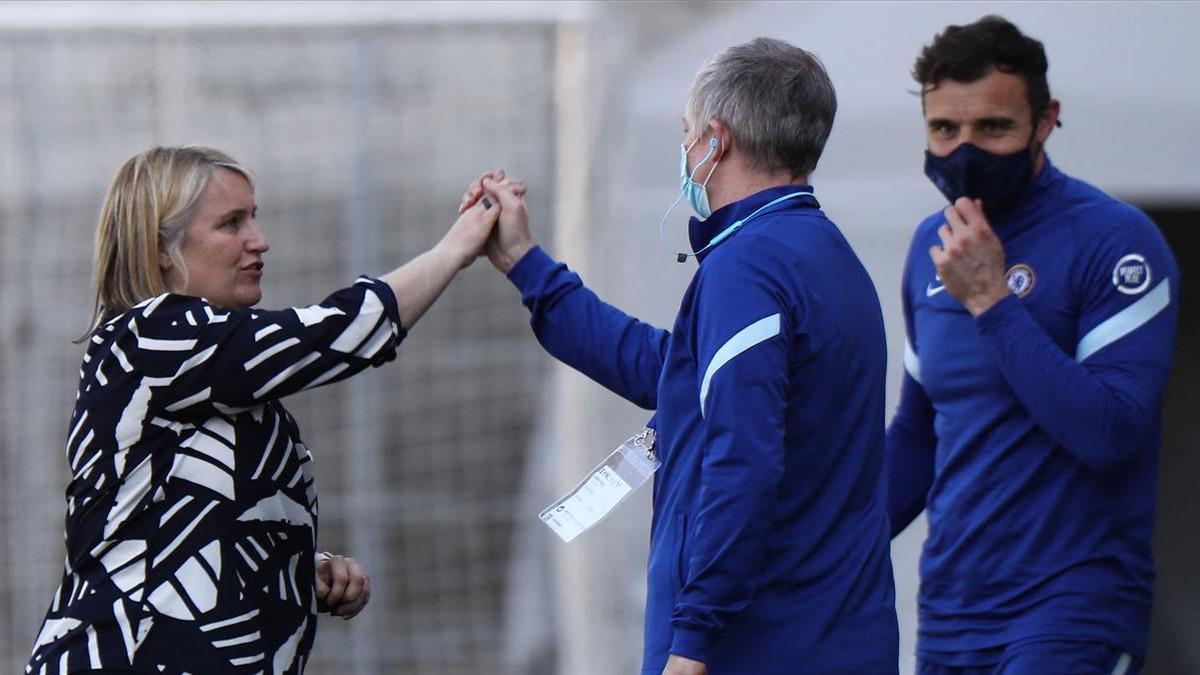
[622, 472]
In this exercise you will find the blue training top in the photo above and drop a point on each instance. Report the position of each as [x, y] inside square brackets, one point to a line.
[1030, 433]
[769, 543]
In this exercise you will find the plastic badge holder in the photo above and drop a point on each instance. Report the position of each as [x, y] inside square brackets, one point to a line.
[625, 470]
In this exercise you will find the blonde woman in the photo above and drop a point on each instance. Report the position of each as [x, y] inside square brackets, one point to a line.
[191, 510]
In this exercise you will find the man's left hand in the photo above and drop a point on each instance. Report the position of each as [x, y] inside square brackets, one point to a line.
[970, 261]
[678, 665]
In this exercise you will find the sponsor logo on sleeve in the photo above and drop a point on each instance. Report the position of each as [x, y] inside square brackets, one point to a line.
[1020, 279]
[1131, 276]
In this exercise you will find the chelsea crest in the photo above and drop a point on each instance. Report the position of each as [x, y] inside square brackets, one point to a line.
[1020, 279]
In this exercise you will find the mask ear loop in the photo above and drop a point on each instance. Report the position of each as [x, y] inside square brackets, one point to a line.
[712, 147]
[1057, 125]
[680, 256]
[713, 143]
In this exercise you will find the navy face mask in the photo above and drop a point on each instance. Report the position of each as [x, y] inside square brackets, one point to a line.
[972, 172]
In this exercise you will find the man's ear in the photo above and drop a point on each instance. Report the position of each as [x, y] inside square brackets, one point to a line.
[724, 136]
[1048, 120]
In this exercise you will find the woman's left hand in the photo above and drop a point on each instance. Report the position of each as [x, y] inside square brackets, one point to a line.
[343, 587]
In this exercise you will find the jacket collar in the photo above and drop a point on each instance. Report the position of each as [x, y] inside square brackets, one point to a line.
[700, 232]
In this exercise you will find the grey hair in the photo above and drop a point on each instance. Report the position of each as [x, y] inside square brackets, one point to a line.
[776, 99]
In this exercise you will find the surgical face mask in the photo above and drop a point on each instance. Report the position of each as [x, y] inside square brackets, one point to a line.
[973, 172]
[696, 193]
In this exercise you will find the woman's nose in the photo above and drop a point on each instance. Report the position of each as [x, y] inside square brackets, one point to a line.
[257, 241]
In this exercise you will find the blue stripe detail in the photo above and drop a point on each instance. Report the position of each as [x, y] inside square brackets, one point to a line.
[763, 329]
[1125, 322]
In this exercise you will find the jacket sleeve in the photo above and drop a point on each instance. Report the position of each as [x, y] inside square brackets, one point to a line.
[909, 454]
[614, 349]
[189, 353]
[910, 443]
[1101, 403]
[744, 329]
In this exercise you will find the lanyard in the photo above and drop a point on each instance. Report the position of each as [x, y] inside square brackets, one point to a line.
[728, 232]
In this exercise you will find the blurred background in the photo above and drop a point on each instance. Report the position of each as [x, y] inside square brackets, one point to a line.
[365, 122]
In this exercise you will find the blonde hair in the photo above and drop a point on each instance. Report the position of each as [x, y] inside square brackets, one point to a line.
[146, 212]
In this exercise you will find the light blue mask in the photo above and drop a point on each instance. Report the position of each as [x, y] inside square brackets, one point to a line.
[696, 193]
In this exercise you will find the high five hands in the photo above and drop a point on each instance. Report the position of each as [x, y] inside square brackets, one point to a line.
[970, 261]
[511, 238]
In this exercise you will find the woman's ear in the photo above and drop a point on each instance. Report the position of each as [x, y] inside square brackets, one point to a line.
[169, 271]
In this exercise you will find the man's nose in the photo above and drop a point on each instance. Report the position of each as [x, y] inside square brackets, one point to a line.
[965, 135]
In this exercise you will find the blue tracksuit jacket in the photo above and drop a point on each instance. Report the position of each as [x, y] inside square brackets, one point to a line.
[769, 543]
[1030, 433]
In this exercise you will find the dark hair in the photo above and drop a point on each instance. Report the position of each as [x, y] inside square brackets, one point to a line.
[776, 99]
[968, 53]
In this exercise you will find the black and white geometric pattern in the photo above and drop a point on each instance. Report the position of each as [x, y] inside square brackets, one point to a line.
[191, 511]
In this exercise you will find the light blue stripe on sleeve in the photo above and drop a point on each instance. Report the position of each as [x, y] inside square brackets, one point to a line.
[912, 364]
[763, 329]
[1122, 665]
[1125, 321]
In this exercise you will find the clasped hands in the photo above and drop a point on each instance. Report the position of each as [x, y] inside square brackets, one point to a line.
[493, 221]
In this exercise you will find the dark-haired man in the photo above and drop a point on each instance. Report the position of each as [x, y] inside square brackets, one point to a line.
[1040, 321]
